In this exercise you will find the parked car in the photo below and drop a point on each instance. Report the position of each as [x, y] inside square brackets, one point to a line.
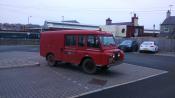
[149, 46]
[90, 50]
[129, 45]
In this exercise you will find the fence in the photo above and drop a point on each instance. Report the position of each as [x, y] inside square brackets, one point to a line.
[164, 44]
[19, 42]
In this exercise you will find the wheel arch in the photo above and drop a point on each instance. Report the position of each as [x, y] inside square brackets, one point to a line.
[49, 53]
[84, 58]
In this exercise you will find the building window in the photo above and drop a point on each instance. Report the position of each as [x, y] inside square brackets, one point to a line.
[166, 29]
[70, 40]
[123, 30]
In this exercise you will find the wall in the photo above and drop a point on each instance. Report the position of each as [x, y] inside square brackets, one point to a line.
[167, 34]
[163, 43]
[116, 30]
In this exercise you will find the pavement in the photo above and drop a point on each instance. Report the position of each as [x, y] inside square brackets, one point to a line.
[24, 74]
[160, 53]
[19, 59]
[21, 77]
[172, 54]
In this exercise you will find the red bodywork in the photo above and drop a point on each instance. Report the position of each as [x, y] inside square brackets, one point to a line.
[54, 42]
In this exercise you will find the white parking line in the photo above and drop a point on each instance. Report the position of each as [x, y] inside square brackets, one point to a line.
[86, 87]
[98, 90]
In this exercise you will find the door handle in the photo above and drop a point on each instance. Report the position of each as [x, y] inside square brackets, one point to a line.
[61, 49]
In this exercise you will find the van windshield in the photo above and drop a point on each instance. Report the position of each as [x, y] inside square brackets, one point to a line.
[107, 40]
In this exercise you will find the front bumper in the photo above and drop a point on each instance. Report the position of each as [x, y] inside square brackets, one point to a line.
[115, 64]
[147, 49]
[119, 57]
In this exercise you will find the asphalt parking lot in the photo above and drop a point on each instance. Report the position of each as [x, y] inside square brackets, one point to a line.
[28, 75]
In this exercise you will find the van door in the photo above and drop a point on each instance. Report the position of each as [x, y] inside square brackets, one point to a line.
[69, 52]
[81, 49]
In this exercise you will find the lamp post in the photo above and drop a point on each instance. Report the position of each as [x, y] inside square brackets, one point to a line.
[154, 35]
[170, 7]
[28, 34]
[29, 19]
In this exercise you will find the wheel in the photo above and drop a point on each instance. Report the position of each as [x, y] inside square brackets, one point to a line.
[89, 66]
[51, 60]
[124, 49]
[133, 49]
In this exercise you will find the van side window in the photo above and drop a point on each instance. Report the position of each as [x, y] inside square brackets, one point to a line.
[70, 40]
[81, 41]
[93, 42]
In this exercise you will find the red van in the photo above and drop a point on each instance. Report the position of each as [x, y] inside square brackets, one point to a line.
[88, 49]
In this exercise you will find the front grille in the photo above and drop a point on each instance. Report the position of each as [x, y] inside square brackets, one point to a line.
[116, 56]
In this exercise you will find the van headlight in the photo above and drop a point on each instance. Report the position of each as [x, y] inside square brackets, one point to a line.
[113, 56]
[118, 55]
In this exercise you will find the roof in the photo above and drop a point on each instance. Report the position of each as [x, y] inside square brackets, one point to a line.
[151, 30]
[122, 23]
[77, 32]
[169, 21]
[70, 21]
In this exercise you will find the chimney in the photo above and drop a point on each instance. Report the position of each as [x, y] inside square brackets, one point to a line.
[108, 21]
[135, 20]
[168, 14]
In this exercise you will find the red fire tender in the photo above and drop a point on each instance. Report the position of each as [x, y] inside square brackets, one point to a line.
[90, 50]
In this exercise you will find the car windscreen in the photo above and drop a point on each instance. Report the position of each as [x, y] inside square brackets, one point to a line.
[147, 43]
[126, 42]
[107, 40]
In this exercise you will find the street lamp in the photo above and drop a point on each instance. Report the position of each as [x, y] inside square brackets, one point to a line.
[28, 33]
[171, 7]
[154, 35]
[29, 19]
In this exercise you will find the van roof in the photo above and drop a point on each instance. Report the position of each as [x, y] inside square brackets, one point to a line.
[78, 32]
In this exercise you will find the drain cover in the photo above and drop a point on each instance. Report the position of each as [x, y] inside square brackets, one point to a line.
[97, 82]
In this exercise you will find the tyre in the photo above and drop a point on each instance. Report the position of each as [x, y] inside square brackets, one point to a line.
[133, 49]
[51, 60]
[140, 51]
[89, 66]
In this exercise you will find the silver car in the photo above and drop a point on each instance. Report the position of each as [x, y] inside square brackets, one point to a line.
[148, 46]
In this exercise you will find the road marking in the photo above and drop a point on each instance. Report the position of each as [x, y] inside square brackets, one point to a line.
[69, 79]
[79, 84]
[74, 81]
[86, 87]
[102, 89]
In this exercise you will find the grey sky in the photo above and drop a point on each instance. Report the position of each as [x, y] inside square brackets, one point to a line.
[85, 11]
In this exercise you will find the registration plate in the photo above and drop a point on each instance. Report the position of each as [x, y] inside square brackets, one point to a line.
[145, 49]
